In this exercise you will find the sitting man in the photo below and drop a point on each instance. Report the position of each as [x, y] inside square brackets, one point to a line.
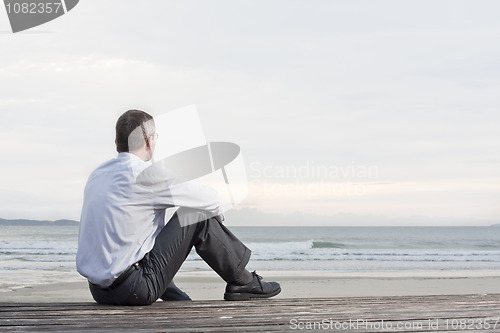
[127, 252]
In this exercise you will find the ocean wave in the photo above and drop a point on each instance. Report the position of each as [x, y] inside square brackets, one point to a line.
[289, 248]
[39, 259]
[327, 245]
[321, 251]
[37, 245]
[35, 252]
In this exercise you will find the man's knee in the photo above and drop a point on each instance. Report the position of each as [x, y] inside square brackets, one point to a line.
[190, 216]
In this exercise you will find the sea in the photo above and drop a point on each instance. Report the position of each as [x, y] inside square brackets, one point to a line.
[46, 254]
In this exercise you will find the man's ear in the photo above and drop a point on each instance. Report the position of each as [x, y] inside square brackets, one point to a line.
[148, 143]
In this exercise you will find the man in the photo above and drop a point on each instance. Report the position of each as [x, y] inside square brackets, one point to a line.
[127, 253]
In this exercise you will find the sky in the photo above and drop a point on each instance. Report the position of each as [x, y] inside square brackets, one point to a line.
[360, 112]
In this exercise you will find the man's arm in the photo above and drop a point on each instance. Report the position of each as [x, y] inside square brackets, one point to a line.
[170, 190]
[192, 195]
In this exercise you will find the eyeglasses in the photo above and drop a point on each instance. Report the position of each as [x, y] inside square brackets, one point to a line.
[155, 136]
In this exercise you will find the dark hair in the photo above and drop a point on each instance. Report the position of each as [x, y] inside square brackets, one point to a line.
[133, 129]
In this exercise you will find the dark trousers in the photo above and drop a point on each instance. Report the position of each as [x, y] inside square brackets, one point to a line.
[215, 244]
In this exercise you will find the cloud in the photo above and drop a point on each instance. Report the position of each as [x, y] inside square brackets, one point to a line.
[395, 200]
[255, 217]
[408, 87]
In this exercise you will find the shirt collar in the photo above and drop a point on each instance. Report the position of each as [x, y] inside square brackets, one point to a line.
[132, 157]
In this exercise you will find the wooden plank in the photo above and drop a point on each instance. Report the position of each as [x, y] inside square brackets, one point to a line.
[379, 314]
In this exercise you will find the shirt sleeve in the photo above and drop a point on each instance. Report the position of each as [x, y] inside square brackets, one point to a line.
[190, 194]
[170, 190]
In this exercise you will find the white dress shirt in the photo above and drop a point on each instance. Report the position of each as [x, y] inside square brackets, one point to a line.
[122, 216]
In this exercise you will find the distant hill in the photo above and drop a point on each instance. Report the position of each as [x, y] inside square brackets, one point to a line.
[23, 222]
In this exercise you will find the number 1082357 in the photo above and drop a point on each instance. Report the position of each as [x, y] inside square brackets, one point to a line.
[34, 8]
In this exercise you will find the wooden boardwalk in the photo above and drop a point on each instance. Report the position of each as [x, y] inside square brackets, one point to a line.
[358, 314]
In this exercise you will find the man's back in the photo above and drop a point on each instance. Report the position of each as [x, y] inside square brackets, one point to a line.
[118, 221]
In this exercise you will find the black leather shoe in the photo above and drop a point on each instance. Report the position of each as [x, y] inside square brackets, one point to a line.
[255, 289]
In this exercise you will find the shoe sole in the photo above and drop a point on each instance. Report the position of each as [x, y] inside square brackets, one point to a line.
[249, 296]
